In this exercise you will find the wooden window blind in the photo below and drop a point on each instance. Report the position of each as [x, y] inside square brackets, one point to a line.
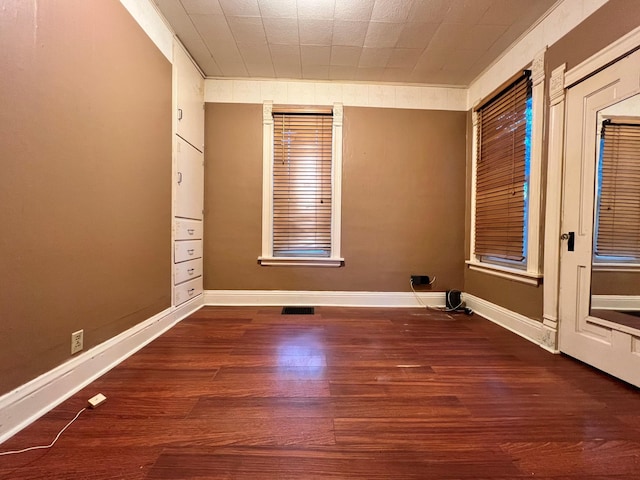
[302, 160]
[618, 209]
[501, 173]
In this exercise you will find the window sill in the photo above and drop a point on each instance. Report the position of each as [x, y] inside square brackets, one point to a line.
[505, 272]
[616, 267]
[300, 262]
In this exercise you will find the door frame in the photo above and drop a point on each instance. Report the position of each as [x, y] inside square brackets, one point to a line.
[559, 82]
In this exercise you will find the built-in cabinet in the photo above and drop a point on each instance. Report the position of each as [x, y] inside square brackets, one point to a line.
[188, 191]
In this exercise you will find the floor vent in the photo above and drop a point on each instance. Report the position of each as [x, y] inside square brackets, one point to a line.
[298, 310]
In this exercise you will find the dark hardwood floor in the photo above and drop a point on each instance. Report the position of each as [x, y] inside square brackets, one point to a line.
[246, 393]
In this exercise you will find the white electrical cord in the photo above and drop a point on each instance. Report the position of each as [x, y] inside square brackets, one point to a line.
[416, 293]
[40, 447]
[453, 309]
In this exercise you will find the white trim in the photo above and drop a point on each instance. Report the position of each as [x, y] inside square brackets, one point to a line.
[267, 258]
[300, 261]
[617, 49]
[267, 180]
[321, 298]
[22, 406]
[615, 267]
[616, 302]
[527, 328]
[523, 276]
[301, 92]
[153, 24]
[534, 211]
[555, 157]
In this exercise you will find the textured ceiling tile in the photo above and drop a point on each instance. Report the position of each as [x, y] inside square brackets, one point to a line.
[448, 36]
[311, 72]
[213, 29]
[285, 54]
[432, 11]
[345, 56]
[315, 55]
[281, 30]
[396, 74]
[247, 29]
[382, 35]
[404, 58]
[319, 9]
[461, 61]
[293, 71]
[432, 60]
[240, 7]
[233, 69]
[369, 74]
[391, 10]
[263, 70]
[210, 7]
[467, 11]
[252, 53]
[358, 10]
[349, 33]
[416, 35]
[503, 12]
[315, 32]
[278, 8]
[342, 72]
[481, 37]
[374, 57]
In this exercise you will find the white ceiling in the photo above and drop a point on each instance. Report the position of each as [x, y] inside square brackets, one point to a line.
[437, 42]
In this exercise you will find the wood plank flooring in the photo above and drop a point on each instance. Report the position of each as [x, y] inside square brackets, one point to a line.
[246, 393]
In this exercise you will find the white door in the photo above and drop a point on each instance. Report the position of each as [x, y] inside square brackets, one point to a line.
[189, 181]
[190, 100]
[608, 345]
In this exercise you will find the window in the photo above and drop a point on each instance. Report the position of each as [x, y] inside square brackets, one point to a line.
[502, 175]
[617, 227]
[505, 232]
[301, 186]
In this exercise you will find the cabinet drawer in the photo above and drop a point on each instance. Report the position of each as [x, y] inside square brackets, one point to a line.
[188, 229]
[187, 250]
[187, 290]
[187, 271]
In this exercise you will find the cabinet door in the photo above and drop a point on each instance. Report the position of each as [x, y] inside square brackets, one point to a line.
[190, 100]
[189, 181]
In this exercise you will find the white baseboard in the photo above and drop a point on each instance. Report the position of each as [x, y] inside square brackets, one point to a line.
[321, 298]
[616, 302]
[515, 322]
[30, 401]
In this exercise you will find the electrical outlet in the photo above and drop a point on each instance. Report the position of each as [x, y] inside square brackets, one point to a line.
[420, 280]
[77, 339]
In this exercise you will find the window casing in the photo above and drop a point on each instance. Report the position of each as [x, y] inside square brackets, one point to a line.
[302, 177]
[506, 172]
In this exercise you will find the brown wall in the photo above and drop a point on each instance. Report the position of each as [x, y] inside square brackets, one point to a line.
[85, 205]
[403, 202]
[615, 283]
[607, 24]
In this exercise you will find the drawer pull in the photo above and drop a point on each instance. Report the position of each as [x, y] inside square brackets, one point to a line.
[190, 271]
[190, 251]
[179, 178]
[190, 291]
[190, 231]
